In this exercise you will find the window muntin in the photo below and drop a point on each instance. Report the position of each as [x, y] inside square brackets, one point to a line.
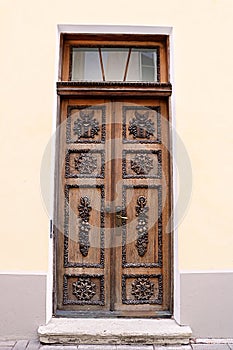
[115, 64]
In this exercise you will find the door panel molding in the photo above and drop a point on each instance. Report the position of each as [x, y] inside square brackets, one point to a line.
[67, 262]
[158, 262]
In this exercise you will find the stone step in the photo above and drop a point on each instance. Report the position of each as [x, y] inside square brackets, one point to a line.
[114, 331]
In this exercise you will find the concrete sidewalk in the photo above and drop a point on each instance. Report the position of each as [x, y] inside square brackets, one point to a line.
[36, 345]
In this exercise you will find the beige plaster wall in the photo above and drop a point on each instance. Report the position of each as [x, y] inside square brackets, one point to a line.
[203, 72]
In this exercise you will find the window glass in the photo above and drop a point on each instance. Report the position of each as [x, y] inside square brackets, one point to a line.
[114, 64]
[86, 64]
[114, 61]
[143, 65]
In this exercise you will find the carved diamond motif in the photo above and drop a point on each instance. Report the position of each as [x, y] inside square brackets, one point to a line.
[84, 288]
[141, 164]
[141, 126]
[86, 126]
[85, 163]
[84, 227]
[142, 288]
[142, 226]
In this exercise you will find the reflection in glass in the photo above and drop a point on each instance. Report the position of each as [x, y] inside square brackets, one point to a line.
[143, 65]
[114, 64]
[86, 64]
[114, 61]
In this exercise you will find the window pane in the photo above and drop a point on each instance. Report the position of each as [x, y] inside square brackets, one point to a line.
[143, 65]
[148, 74]
[86, 64]
[147, 58]
[114, 61]
[134, 73]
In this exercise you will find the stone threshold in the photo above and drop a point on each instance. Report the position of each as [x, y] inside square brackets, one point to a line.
[114, 331]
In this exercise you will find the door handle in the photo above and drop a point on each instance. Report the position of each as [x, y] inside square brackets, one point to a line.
[121, 217]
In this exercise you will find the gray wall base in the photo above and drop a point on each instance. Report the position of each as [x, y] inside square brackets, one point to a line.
[206, 304]
[22, 305]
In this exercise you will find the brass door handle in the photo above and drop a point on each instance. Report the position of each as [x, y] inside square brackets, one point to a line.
[121, 217]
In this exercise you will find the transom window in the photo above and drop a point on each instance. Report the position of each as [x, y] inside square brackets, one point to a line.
[115, 64]
[111, 59]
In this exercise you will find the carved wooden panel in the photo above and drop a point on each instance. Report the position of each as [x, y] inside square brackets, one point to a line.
[142, 235]
[141, 124]
[86, 124]
[83, 289]
[84, 163]
[84, 232]
[140, 164]
[142, 289]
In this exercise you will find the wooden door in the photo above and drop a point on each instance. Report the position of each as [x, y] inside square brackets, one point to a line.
[113, 245]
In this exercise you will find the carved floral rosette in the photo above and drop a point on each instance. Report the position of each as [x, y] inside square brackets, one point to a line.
[141, 164]
[142, 288]
[85, 163]
[84, 289]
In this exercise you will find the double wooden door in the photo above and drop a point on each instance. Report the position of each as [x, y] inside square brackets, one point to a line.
[113, 243]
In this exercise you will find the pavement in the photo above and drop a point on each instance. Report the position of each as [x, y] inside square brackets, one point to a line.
[36, 345]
